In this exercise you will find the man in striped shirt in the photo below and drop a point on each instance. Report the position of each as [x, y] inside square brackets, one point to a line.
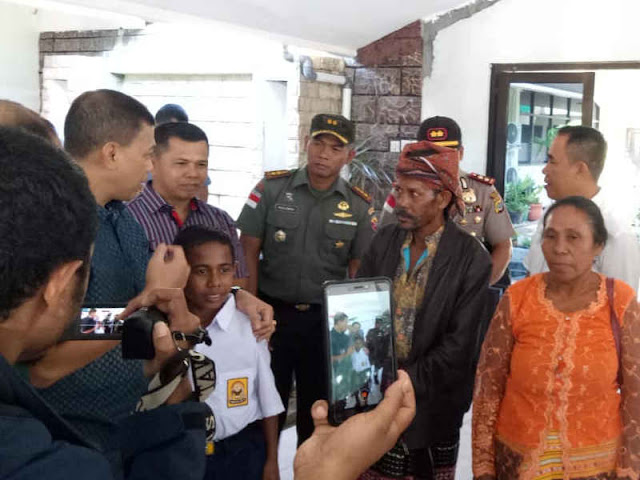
[168, 203]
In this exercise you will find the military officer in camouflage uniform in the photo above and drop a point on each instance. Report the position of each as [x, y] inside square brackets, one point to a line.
[486, 217]
[310, 226]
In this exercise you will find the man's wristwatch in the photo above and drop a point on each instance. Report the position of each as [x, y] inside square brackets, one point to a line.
[199, 336]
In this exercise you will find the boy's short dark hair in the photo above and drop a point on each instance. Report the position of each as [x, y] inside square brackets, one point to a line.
[102, 116]
[171, 112]
[187, 132]
[49, 215]
[197, 235]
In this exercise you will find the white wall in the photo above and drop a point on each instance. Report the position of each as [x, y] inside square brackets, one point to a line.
[520, 31]
[20, 27]
[19, 55]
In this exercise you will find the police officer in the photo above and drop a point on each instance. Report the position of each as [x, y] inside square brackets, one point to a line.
[310, 226]
[486, 217]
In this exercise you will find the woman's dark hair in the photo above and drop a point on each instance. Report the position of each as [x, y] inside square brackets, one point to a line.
[197, 235]
[592, 212]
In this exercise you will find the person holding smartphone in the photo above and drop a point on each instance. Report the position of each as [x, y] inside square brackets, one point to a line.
[43, 285]
[440, 278]
[110, 135]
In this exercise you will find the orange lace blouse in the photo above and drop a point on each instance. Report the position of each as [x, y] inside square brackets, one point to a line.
[546, 374]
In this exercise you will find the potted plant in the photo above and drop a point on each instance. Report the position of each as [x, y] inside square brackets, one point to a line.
[518, 197]
[535, 207]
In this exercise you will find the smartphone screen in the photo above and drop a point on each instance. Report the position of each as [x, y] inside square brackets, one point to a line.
[96, 322]
[361, 353]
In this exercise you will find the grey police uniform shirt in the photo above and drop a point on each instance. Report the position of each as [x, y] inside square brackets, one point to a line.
[308, 237]
[486, 216]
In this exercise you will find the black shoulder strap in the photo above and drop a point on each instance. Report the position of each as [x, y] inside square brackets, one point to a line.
[615, 326]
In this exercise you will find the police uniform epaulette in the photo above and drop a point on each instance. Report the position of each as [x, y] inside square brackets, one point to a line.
[278, 174]
[361, 193]
[482, 178]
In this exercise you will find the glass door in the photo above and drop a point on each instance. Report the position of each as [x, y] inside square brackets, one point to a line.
[527, 111]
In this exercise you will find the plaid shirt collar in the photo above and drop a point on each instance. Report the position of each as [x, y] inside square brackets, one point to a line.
[158, 204]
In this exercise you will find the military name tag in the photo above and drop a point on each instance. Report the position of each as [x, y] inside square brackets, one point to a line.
[286, 208]
[343, 222]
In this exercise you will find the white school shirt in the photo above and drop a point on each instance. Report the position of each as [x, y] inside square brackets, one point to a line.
[360, 360]
[620, 258]
[245, 389]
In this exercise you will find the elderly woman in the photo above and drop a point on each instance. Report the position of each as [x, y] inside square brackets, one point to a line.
[547, 402]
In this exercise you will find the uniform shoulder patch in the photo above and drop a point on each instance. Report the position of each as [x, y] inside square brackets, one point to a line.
[361, 193]
[273, 174]
[482, 179]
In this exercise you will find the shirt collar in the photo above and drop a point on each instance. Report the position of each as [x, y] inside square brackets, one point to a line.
[301, 177]
[430, 241]
[225, 315]
[111, 209]
[157, 203]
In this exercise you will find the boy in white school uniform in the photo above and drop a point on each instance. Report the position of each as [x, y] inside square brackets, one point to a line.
[245, 402]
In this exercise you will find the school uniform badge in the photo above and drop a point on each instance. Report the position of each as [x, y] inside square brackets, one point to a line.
[237, 392]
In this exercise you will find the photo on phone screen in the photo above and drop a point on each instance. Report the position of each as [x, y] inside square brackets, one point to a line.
[96, 322]
[360, 342]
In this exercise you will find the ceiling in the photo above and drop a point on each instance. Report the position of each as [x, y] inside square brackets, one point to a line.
[340, 26]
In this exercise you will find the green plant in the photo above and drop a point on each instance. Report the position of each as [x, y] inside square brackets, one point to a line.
[520, 194]
[368, 173]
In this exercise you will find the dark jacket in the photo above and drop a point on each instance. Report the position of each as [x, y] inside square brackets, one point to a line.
[36, 443]
[449, 328]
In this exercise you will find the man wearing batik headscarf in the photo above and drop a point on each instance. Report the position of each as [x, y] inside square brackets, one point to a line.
[440, 282]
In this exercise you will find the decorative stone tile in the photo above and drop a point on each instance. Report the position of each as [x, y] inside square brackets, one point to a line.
[394, 52]
[363, 108]
[409, 131]
[377, 136]
[66, 45]
[403, 110]
[377, 81]
[46, 44]
[412, 81]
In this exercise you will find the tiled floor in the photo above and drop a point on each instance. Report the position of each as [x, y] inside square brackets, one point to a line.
[288, 440]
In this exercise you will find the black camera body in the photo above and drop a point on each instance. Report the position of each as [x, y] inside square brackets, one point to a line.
[137, 333]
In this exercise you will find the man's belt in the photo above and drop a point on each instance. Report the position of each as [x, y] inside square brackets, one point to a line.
[300, 307]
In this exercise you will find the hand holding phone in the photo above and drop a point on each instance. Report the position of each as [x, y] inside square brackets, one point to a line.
[361, 352]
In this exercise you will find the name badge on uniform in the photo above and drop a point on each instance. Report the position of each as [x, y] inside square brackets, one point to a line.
[237, 392]
[286, 208]
[343, 222]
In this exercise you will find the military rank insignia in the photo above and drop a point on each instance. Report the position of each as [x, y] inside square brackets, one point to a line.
[361, 193]
[482, 179]
[277, 174]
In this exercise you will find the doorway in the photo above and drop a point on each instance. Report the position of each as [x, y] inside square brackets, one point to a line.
[529, 103]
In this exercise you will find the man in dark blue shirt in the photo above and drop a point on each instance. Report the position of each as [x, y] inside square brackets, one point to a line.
[44, 278]
[110, 135]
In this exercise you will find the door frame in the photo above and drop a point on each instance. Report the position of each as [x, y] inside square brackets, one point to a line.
[504, 73]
